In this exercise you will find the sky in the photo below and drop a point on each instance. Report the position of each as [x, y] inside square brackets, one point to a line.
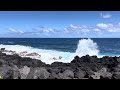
[60, 24]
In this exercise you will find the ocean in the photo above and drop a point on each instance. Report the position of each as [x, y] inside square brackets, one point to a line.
[65, 47]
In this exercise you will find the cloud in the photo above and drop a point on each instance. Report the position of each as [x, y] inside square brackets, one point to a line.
[76, 29]
[15, 31]
[73, 26]
[105, 16]
[41, 29]
[11, 29]
[114, 29]
[108, 27]
[102, 25]
[100, 29]
[97, 30]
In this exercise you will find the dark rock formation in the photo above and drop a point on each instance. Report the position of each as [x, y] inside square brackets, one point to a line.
[38, 73]
[86, 67]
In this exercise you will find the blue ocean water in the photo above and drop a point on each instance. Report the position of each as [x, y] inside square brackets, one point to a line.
[106, 46]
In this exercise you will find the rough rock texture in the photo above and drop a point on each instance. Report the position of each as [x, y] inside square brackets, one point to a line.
[39, 73]
[6, 72]
[80, 74]
[86, 67]
[24, 72]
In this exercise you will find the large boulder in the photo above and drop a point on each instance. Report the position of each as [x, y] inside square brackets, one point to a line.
[67, 74]
[2, 49]
[38, 73]
[118, 59]
[105, 74]
[31, 62]
[96, 75]
[24, 72]
[79, 74]
[16, 73]
[102, 73]
[6, 72]
[53, 75]
[116, 73]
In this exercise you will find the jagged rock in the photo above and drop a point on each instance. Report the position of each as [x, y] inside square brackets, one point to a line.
[53, 75]
[86, 67]
[24, 72]
[2, 49]
[32, 54]
[116, 75]
[102, 73]
[16, 73]
[22, 53]
[79, 74]
[96, 75]
[68, 73]
[117, 68]
[38, 73]
[118, 59]
[6, 72]
[31, 62]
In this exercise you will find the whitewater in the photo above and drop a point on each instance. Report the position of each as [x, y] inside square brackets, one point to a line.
[84, 47]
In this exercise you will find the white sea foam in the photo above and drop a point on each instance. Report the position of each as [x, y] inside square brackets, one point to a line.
[85, 46]
[46, 55]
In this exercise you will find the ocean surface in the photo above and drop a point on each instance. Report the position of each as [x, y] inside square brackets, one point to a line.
[65, 47]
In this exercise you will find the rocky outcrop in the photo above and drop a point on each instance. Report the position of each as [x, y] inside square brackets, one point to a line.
[24, 72]
[86, 67]
[38, 73]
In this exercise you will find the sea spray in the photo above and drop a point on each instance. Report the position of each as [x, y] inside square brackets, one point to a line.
[84, 47]
[87, 47]
[46, 55]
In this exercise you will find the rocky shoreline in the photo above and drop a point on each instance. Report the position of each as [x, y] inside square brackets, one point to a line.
[86, 67]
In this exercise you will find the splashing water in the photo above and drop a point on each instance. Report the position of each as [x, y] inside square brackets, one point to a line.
[87, 47]
[84, 47]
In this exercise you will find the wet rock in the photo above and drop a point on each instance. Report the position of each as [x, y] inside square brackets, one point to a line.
[2, 49]
[23, 53]
[57, 64]
[15, 67]
[32, 54]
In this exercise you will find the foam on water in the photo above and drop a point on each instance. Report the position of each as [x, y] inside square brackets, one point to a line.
[46, 55]
[85, 46]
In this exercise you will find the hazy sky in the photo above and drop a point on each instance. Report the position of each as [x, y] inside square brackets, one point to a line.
[60, 24]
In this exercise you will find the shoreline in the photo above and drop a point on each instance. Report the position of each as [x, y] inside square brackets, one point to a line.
[86, 67]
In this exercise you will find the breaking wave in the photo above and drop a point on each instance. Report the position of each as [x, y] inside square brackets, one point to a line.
[84, 47]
